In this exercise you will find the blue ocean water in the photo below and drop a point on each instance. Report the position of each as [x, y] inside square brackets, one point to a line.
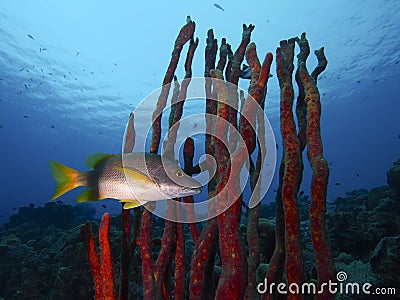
[71, 72]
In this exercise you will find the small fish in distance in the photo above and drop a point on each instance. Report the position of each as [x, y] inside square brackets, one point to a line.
[132, 178]
[31, 37]
[337, 183]
[245, 72]
[218, 6]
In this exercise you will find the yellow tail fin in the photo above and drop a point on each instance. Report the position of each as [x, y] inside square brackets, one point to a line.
[66, 178]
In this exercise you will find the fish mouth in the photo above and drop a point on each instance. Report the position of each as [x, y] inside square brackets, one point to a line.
[191, 190]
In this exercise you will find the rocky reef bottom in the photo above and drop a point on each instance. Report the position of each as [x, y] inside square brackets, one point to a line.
[42, 255]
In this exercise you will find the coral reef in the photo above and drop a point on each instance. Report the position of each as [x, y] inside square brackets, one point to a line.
[43, 262]
[393, 176]
[385, 260]
[42, 255]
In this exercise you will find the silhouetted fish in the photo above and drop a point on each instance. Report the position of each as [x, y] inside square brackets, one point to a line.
[1, 126]
[245, 72]
[25, 116]
[337, 183]
[358, 175]
[218, 6]
[301, 193]
[77, 53]
[103, 206]
[31, 37]
[244, 205]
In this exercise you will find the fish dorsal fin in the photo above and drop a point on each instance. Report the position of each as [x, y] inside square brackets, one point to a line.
[96, 159]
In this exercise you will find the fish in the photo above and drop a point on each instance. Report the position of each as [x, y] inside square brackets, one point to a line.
[301, 193]
[218, 6]
[132, 178]
[31, 37]
[337, 183]
[77, 53]
[245, 72]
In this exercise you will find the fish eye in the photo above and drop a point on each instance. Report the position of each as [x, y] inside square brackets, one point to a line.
[179, 173]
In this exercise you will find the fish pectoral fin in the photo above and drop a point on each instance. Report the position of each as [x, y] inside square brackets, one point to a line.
[134, 175]
[126, 200]
[96, 159]
[131, 203]
[88, 195]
